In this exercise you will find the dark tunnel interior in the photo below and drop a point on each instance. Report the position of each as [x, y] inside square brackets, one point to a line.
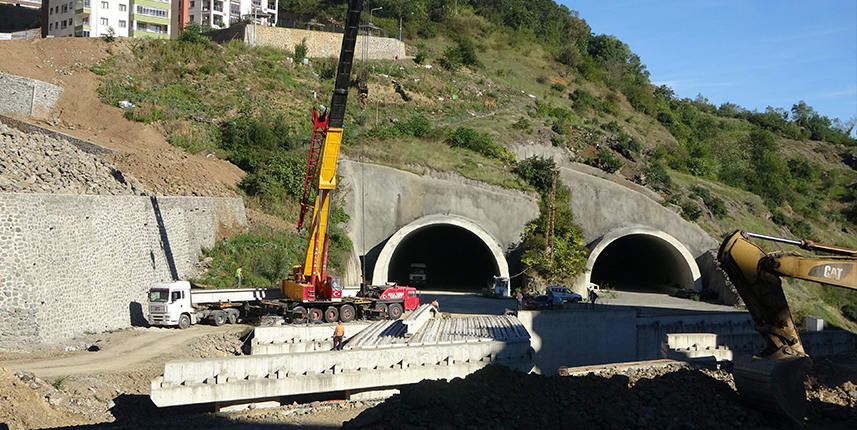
[455, 259]
[643, 263]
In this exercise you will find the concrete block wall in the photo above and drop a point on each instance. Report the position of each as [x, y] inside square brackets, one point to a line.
[77, 263]
[319, 43]
[29, 97]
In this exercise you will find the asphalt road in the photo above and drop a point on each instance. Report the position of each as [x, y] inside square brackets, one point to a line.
[649, 303]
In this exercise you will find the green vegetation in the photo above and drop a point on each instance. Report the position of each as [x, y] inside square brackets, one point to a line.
[561, 256]
[266, 255]
[59, 383]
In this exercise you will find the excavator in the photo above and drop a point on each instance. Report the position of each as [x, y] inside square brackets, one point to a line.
[773, 379]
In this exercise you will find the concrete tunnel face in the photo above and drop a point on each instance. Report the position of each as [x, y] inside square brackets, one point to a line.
[455, 259]
[458, 254]
[644, 263]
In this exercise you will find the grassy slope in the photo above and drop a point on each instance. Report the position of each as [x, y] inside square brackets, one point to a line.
[194, 91]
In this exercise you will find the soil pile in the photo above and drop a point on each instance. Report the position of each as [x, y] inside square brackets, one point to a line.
[23, 406]
[665, 398]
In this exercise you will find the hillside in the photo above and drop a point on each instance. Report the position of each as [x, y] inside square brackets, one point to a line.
[229, 119]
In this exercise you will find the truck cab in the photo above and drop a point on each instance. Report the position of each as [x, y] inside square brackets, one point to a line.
[417, 275]
[170, 304]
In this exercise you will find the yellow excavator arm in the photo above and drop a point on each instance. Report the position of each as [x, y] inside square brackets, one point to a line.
[773, 379]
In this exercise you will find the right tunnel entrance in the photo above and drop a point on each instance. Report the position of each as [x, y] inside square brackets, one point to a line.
[643, 262]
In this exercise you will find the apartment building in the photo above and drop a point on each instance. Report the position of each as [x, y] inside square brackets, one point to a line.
[94, 18]
[222, 13]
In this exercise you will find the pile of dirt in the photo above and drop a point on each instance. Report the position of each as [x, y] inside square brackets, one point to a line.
[140, 150]
[665, 398]
[24, 406]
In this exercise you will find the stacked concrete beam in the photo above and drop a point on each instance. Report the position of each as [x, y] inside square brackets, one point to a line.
[272, 376]
[298, 338]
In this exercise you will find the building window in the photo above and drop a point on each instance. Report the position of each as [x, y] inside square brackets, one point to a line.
[191, 18]
[52, 11]
[151, 11]
[122, 24]
[85, 33]
[86, 21]
[192, 3]
[105, 5]
[63, 23]
[103, 21]
[123, 8]
[64, 8]
[51, 26]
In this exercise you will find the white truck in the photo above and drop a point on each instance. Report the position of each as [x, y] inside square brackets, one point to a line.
[176, 304]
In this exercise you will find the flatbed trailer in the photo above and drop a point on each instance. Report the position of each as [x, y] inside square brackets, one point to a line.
[177, 304]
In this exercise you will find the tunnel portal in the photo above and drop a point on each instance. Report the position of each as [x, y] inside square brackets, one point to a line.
[455, 253]
[454, 259]
[643, 262]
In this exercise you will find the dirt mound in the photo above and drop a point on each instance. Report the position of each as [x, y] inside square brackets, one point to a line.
[141, 149]
[499, 398]
[23, 407]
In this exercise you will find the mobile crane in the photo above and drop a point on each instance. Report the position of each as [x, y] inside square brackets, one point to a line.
[310, 282]
[311, 294]
[773, 379]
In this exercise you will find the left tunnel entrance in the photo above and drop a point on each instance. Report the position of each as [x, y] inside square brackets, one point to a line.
[451, 257]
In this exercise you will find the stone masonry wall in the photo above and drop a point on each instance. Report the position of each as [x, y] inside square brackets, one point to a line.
[77, 263]
[319, 43]
[26, 96]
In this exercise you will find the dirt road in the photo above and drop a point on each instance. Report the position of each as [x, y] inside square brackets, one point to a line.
[119, 351]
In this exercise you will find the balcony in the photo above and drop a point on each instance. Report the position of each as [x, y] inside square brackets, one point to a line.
[272, 6]
[218, 8]
[81, 7]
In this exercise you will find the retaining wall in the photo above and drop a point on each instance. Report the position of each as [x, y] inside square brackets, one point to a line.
[77, 263]
[319, 43]
[29, 97]
[618, 334]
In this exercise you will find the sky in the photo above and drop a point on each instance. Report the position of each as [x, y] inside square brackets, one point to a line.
[753, 53]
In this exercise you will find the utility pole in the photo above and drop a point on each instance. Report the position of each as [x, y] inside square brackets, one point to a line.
[549, 229]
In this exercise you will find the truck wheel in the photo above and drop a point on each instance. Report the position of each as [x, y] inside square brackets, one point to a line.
[347, 313]
[381, 308]
[232, 317]
[315, 315]
[299, 314]
[184, 321]
[219, 318]
[331, 314]
[395, 311]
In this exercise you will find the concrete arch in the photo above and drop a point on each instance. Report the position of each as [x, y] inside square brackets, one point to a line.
[382, 265]
[653, 246]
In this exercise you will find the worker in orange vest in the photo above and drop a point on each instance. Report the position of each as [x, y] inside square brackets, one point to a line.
[337, 336]
[435, 308]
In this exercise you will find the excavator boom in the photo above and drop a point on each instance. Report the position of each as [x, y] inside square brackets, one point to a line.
[773, 379]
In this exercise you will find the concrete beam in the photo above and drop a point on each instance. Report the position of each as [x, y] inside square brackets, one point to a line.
[254, 377]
